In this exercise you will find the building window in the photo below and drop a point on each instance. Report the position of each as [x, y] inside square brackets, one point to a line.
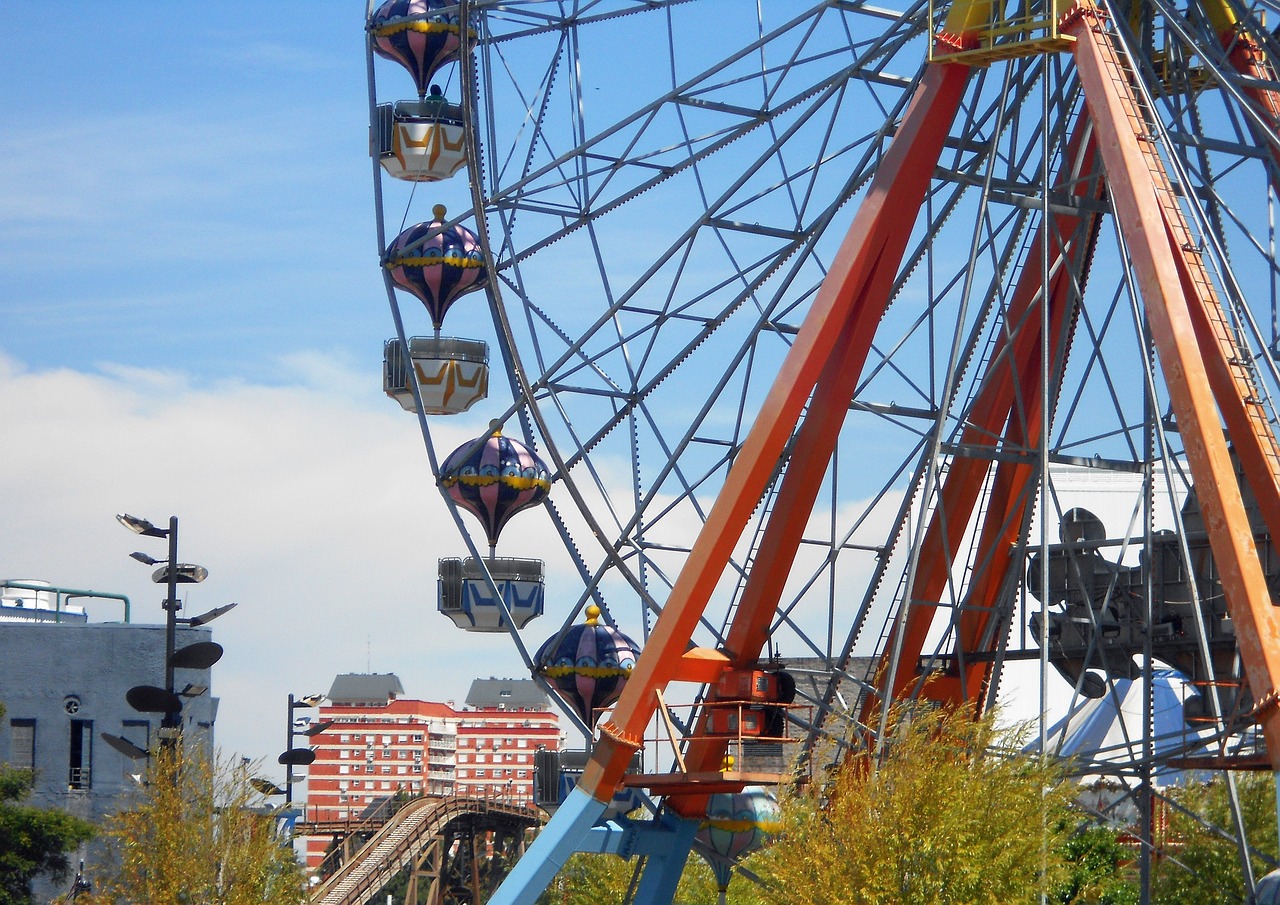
[417, 737]
[368, 768]
[481, 774]
[138, 732]
[22, 748]
[386, 769]
[345, 737]
[343, 768]
[80, 757]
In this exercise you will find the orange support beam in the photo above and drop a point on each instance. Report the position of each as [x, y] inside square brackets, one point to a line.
[1011, 491]
[1250, 60]
[1150, 217]
[873, 247]
[1008, 403]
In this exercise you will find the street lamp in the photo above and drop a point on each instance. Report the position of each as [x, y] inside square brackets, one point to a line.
[201, 655]
[299, 757]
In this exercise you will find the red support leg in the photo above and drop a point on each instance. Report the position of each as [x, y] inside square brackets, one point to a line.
[1008, 403]
[873, 247]
[1150, 218]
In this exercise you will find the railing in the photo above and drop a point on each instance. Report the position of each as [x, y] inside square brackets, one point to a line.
[1018, 34]
[400, 841]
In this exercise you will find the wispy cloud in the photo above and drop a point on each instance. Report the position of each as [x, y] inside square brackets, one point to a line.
[312, 508]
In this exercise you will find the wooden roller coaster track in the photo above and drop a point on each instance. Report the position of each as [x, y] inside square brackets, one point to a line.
[406, 840]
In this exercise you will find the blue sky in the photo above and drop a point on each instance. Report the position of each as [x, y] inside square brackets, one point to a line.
[191, 324]
[192, 193]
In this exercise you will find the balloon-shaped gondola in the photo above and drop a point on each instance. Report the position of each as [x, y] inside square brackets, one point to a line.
[418, 35]
[588, 665]
[493, 478]
[437, 264]
[737, 824]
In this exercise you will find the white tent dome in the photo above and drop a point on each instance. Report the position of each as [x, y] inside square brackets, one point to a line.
[1107, 731]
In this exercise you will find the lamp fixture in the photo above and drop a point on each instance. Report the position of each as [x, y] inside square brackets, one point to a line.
[140, 525]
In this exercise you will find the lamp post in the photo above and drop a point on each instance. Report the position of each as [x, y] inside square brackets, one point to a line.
[201, 655]
[298, 757]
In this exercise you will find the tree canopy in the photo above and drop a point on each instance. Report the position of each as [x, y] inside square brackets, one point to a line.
[1198, 863]
[197, 835]
[941, 816]
[33, 841]
[945, 816]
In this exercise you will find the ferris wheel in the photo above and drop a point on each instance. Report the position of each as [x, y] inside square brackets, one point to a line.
[872, 351]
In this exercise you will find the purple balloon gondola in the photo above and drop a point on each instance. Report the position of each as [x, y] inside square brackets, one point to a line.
[493, 478]
[418, 35]
[588, 665]
[437, 264]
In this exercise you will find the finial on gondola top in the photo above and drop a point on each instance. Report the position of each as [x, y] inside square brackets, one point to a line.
[437, 264]
[493, 478]
[417, 34]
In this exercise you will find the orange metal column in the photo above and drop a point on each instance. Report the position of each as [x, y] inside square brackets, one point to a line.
[1250, 60]
[1149, 216]
[874, 245]
[1005, 414]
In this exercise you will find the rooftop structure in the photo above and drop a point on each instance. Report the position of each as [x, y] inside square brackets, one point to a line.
[63, 682]
[364, 690]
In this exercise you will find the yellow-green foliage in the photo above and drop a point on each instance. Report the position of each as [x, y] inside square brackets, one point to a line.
[945, 818]
[942, 819]
[590, 880]
[1195, 863]
[194, 837]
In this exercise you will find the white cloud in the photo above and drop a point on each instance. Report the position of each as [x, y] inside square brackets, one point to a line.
[310, 504]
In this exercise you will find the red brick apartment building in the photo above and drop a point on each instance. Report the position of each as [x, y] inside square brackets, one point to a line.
[382, 743]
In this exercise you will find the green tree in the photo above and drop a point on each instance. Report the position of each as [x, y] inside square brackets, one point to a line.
[195, 836]
[1197, 863]
[33, 841]
[590, 880]
[1099, 869]
[941, 819]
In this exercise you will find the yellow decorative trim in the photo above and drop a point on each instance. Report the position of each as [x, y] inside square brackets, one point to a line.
[518, 482]
[422, 26]
[742, 826]
[593, 672]
[456, 261]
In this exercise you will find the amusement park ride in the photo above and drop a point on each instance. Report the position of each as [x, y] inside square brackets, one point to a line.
[814, 326]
